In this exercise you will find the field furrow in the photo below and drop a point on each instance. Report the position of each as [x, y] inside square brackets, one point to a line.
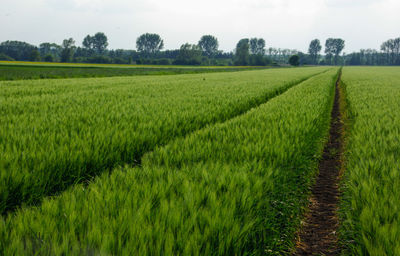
[55, 133]
[233, 188]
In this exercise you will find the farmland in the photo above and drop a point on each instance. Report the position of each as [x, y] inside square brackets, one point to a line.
[371, 201]
[55, 134]
[30, 70]
[241, 177]
[218, 163]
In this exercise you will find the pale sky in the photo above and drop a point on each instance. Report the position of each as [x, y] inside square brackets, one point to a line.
[282, 23]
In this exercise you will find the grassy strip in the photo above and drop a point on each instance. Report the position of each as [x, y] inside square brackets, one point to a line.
[56, 133]
[231, 189]
[62, 64]
[371, 199]
[27, 72]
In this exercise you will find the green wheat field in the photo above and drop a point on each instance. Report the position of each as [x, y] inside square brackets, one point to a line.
[191, 161]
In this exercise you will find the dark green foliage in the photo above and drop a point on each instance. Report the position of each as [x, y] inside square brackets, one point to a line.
[242, 55]
[49, 58]
[333, 48]
[209, 45]
[294, 60]
[68, 49]
[35, 55]
[314, 50]
[5, 57]
[52, 49]
[149, 44]
[96, 44]
[259, 60]
[257, 46]
[17, 50]
[189, 54]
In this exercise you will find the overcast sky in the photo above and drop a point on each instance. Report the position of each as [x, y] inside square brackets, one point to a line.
[282, 23]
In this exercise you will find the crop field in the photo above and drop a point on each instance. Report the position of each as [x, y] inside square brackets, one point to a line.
[371, 203]
[59, 132]
[31, 70]
[196, 164]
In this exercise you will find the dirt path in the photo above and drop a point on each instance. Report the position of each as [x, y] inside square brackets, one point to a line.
[318, 235]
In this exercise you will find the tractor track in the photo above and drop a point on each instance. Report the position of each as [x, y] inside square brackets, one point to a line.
[318, 234]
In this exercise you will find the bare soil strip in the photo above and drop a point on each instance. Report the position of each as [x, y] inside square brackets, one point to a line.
[318, 234]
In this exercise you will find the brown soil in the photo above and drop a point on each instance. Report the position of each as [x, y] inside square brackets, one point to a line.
[318, 235]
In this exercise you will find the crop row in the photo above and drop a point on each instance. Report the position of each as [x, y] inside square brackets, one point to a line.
[371, 200]
[55, 133]
[233, 188]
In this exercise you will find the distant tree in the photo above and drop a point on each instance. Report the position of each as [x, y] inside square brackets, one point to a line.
[97, 43]
[149, 44]
[189, 54]
[53, 49]
[242, 52]
[100, 42]
[68, 48]
[49, 58]
[34, 56]
[88, 43]
[17, 50]
[391, 51]
[294, 60]
[333, 47]
[257, 46]
[314, 50]
[396, 48]
[209, 45]
[5, 57]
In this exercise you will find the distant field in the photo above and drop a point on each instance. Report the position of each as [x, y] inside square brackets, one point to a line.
[42, 70]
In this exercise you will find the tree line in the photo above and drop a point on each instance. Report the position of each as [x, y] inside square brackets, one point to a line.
[150, 50]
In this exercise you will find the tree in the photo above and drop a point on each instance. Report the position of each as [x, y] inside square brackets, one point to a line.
[17, 50]
[49, 58]
[189, 54]
[209, 45]
[242, 52]
[333, 47]
[53, 49]
[88, 43]
[314, 49]
[5, 57]
[149, 44]
[294, 60]
[68, 48]
[257, 46]
[34, 56]
[97, 43]
[100, 42]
